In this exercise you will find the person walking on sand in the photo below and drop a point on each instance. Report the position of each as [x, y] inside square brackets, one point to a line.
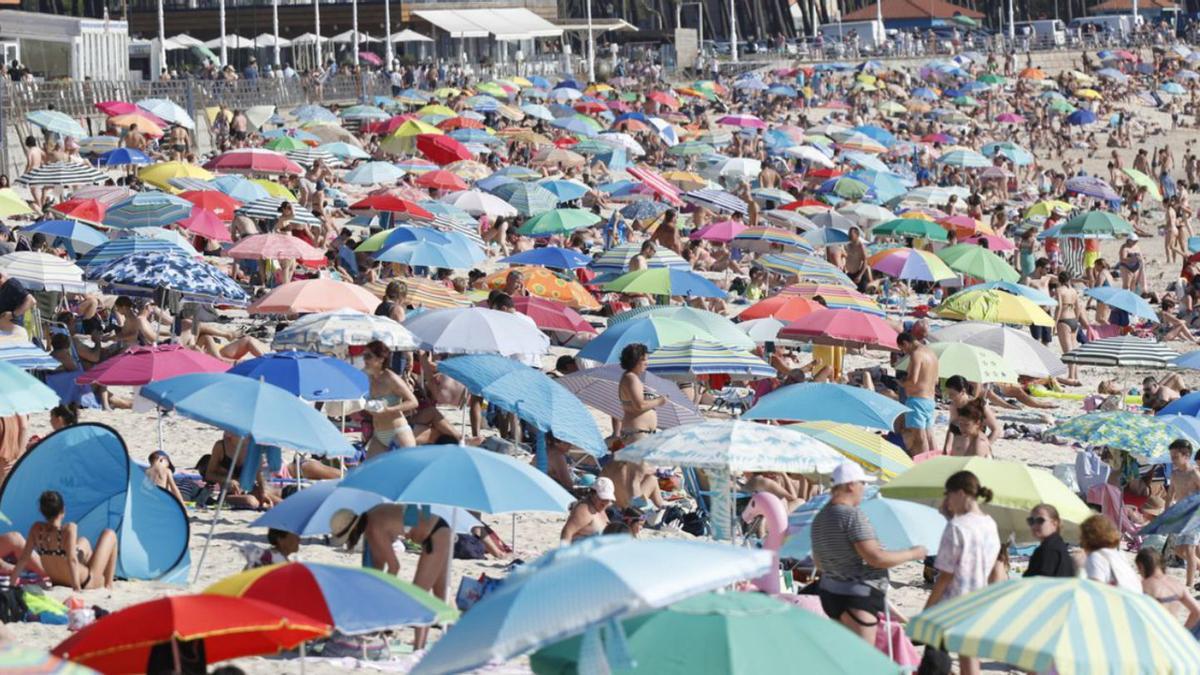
[1185, 482]
[920, 385]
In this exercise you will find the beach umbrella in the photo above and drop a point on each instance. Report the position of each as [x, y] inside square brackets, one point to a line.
[711, 323]
[597, 387]
[665, 281]
[476, 330]
[11, 204]
[314, 295]
[1017, 488]
[174, 236]
[967, 159]
[698, 356]
[899, 524]
[254, 161]
[307, 157]
[441, 149]
[168, 111]
[240, 188]
[148, 209]
[160, 175]
[723, 231]
[343, 150]
[1026, 355]
[786, 308]
[44, 271]
[23, 394]
[115, 249]
[530, 199]
[61, 174]
[828, 402]
[312, 377]
[731, 633]
[736, 446]
[28, 356]
[218, 202]
[423, 293]
[770, 239]
[911, 227]
[976, 364]
[553, 257]
[978, 262]
[1124, 350]
[307, 512]
[389, 203]
[337, 329]
[228, 628]
[1179, 518]
[863, 446]
[811, 269]
[441, 180]
[1127, 301]
[836, 297]
[274, 247]
[617, 259]
[1142, 435]
[552, 316]
[354, 600]
[1045, 624]
[56, 122]
[137, 366]
[543, 283]
[155, 268]
[716, 199]
[993, 306]
[1142, 180]
[827, 236]
[206, 224]
[1092, 186]
[123, 157]
[373, 173]
[529, 394]
[652, 331]
[18, 659]
[478, 203]
[1096, 225]
[841, 327]
[541, 605]
[423, 253]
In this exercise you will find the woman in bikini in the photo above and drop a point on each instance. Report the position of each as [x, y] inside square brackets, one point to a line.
[219, 466]
[1068, 317]
[390, 398]
[632, 479]
[67, 558]
[1167, 590]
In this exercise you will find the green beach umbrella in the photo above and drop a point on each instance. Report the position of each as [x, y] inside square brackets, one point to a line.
[558, 221]
[1096, 224]
[976, 364]
[590, 146]
[992, 78]
[966, 101]
[1047, 624]
[691, 148]
[285, 143]
[1143, 436]
[1142, 180]
[978, 262]
[912, 227]
[964, 20]
[846, 187]
[716, 325]
[491, 89]
[1016, 488]
[1061, 105]
[730, 634]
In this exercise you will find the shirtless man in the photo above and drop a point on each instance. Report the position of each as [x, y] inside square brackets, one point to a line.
[856, 261]
[1185, 481]
[919, 388]
[34, 157]
[1157, 394]
[134, 138]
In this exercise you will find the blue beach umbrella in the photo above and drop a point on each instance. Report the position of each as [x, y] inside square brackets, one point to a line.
[425, 254]
[652, 331]
[123, 157]
[900, 524]
[644, 210]
[1122, 299]
[22, 393]
[148, 209]
[565, 190]
[307, 512]
[310, 376]
[553, 257]
[829, 402]
[529, 199]
[77, 237]
[1081, 117]
[1028, 292]
[373, 173]
[240, 188]
[148, 271]
[56, 122]
[115, 249]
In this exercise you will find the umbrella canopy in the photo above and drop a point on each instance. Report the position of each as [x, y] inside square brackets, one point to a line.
[22, 393]
[250, 408]
[1026, 355]
[1044, 624]
[812, 401]
[552, 221]
[699, 356]
[475, 330]
[441, 149]
[308, 512]
[553, 257]
[43, 271]
[729, 633]
[340, 328]
[114, 249]
[864, 446]
[1140, 435]
[148, 209]
[976, 261]
[16, 659]
[137, 366]
[229, 627]
[274, 247]
[354, 600]
[993, 306]
[1127, 301]
[665, 281]
[531, 199]
[976, 364]
[736, 446]
[56, 122]
[254, 161]
[462, 476]
[315, 295]
[545, 603]
[911, 263]
[206, 224]
[1017, 488]
[61, 174]
[552, 316]
[617, 259]
[310, 376]
[653, 331]
[786, 308]
[597, 387]
[911, 227]
[1124, 350]
[712, 323]
[841, 327]
[545, 284]
[836, 297]
[153, 269]
[899, 524]
[528, 393]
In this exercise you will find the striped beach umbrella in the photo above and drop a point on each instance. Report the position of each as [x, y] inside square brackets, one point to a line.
[340, 328]
[716, 325]
[28, 356]
[42, 271]
[1125, 350]
[704, 357]
[148, 209]
[267, 208]
[716, 199]
[764, 239]
[1070, 626]
[864, 446]
[806, 267]
[424, 293]
[61, 173]
[309, 156]
[617, 259]
[529, 199]
[659, 185]
[56, 122]
[836, 297]
[119, 248]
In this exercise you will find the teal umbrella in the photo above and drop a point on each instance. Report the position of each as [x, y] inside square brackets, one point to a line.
[558, 221]
[56, 122]
[530, 199]
[729, 634]
[1141, 435]
[1096, 224]
[22, 393]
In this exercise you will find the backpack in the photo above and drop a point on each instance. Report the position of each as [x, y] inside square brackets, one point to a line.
[12, 605]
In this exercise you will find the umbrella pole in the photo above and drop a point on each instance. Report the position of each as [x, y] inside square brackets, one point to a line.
[297, 472]
[302, 645]
[212, 527]
[450, 553]
[175, 655]
[514, 534]
[158, 416]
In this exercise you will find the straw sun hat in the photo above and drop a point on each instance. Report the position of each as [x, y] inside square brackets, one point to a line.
[341, 524]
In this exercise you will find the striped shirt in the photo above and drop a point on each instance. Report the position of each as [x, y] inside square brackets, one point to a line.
[835, 531]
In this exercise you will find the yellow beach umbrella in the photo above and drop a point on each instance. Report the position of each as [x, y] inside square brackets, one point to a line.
[1142, 180]
[417, 127]
[1090, 94]
[436, 109]
[1047, 207]
[446, 92]
[685, 180]
[993, 306]
[275, 189]
[159, 174]
[11, 204]
[520, 81]
[864, 446]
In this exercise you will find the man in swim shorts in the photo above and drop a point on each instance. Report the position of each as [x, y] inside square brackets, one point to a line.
[920, 388]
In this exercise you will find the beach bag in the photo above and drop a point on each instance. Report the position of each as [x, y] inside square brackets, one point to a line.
[471, 591]
[935, 661]
[469, 547]
[12, 605]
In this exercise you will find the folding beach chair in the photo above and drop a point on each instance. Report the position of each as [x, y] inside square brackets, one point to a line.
[1112, 507]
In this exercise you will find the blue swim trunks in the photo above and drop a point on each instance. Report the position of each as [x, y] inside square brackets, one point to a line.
[920, 413]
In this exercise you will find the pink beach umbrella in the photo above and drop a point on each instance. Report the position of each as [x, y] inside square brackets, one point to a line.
[994, 242]
[206, 224]
[841, 327]
[723, 231]
[1010, 118]
[142, 365]
[743, 121]
[315, 295]
[274, 247]
[254, 160]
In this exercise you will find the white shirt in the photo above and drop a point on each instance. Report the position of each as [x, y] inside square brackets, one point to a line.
[969, 548]
[1108, 566]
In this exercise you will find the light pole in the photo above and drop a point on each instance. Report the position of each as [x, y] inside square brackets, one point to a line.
[317, 19]
[387, 30]
[591, 55]
[354, 28]
[221, 19]
[733, 30]
[162, 38]
[1012, 28]
[275, 29]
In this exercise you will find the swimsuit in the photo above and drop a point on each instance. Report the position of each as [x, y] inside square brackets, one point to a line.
[43, 551]
[920, 413]
[386, 436]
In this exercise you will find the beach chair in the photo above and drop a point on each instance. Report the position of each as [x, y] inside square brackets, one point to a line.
[1112, 507]
[734, 400]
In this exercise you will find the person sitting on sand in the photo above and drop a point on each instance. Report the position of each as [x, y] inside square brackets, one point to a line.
[219, 466]
[67, 558]
[958, 394]
[589, 516]
[1156, 394]
[281, 546]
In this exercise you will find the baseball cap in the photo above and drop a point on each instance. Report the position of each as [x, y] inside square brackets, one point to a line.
[849, 472]
[341, 524]
[1132, 237]
[604, 489]
[154, 455]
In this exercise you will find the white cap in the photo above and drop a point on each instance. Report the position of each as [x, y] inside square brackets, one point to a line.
[1132, 237]
[849, 472]
[605, 489]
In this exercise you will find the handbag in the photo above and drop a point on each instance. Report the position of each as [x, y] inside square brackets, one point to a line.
[935, 661]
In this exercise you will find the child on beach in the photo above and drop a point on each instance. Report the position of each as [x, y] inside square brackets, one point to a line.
[1185, 481]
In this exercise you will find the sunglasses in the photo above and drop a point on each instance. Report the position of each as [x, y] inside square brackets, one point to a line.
[1035, 520]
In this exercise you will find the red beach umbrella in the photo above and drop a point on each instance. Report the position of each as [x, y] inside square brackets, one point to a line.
[442, 149]
[841, 327]
[218, 202]
[441, 180]
[390, 203]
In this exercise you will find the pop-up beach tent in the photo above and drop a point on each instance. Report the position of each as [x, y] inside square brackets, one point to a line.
[103, 487]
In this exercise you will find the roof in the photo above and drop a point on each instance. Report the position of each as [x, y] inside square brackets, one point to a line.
[1124, 5]
[912, 9]
[508, 23]
[600, 25]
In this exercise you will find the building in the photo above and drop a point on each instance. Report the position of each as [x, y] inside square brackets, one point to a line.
[912, 13]
[56, 47]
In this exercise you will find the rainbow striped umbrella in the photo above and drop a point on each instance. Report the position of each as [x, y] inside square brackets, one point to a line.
[770, 239]
[698, 356]
[1072, 626]
[17, 659]
[807, 267]
[423, 293]
[837, 297]
[910, 263]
